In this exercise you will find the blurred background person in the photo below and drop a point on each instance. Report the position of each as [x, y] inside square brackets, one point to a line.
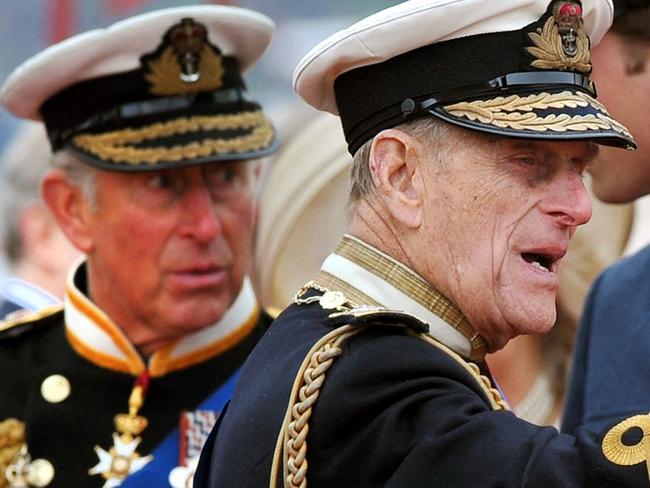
[613, 345]
[37, 252]
[299, 225]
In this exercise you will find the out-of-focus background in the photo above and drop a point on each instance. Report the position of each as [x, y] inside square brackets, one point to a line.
[28, 26]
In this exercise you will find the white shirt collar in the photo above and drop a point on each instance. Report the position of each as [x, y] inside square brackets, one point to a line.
[393, 285]
[97, 338]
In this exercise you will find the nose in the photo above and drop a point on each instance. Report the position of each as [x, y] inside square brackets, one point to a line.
[568, 200]
[200, 220]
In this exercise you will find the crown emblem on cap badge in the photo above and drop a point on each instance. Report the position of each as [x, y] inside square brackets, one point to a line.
[562, 43]
[569, 19]
[185, 62]
[187, 40]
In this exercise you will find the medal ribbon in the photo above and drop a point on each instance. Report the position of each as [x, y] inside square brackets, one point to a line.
[166, 454]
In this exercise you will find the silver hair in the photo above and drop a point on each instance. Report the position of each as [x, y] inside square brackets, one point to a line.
[436, 134]
[80, 174]
[24, 162]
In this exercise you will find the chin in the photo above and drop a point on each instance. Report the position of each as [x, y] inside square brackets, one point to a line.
[526, 322]
[536, 323]
[195, 319]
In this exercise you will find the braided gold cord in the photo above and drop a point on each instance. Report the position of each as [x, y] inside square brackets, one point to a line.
[291, 445]
[292, 441]
[493, 395]
[487, 384]
[313, 378]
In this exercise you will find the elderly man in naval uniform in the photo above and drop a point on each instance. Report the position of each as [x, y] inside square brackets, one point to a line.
[471, 124]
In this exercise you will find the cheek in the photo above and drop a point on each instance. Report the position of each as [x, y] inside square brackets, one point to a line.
[136, 239]
[491, 231]
[238, 221]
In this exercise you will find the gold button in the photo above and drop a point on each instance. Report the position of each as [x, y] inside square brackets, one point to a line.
[41, 473]
[55, 388]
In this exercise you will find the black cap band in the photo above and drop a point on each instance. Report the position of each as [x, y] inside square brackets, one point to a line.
[104, 103]
[490, 65]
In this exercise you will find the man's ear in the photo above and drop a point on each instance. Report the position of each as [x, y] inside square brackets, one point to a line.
[394, 166]
[72, 212]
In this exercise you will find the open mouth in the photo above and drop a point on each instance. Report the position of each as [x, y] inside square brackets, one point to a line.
[544, 262]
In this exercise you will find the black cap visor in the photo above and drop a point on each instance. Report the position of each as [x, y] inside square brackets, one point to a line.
[178, 142]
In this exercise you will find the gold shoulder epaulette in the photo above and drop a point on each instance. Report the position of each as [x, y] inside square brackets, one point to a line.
[23, 317]
[369, 315]
[624, 453]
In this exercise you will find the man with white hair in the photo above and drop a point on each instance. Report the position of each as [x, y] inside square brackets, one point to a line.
[614, 337]
[37, 252]
[157, 148]
[471, 124]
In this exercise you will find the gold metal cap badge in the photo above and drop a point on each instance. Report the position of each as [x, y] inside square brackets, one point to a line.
[562, 43]
[185, 62]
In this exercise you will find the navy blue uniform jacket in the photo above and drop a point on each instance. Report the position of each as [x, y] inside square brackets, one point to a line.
[612, 358]
[394, 411]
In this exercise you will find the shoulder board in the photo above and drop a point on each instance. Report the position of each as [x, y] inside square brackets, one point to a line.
[22, 321]
[377, 316]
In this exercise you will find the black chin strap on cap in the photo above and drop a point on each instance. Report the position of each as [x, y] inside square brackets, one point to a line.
[500, 86]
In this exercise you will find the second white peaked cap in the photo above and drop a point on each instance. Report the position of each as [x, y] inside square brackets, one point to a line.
[158, 90]
[242, 33]
[436, 54]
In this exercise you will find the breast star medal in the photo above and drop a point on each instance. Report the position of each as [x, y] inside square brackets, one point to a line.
[122, 459]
